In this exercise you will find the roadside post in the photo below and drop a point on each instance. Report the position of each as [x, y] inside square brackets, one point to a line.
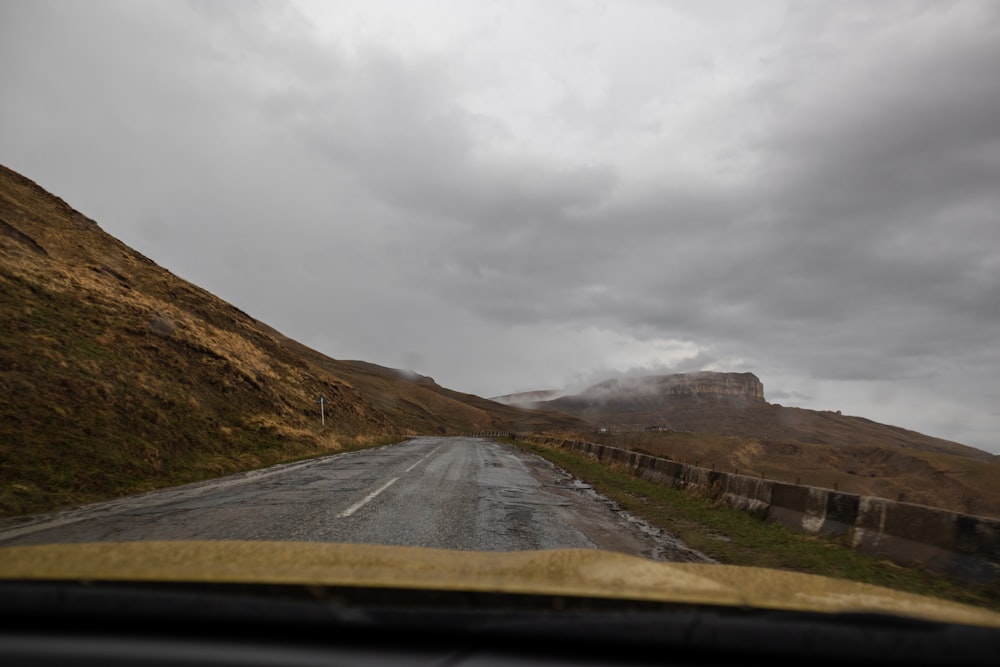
[322, 408]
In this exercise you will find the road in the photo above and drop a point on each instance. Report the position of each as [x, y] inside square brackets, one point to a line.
[453, 493]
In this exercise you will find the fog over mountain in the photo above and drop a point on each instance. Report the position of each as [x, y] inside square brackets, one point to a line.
[513, 196]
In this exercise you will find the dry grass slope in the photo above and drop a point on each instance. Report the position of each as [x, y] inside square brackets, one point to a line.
[117, 376]
[949, 481]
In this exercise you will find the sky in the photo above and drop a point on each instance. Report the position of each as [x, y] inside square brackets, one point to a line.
[510, 196]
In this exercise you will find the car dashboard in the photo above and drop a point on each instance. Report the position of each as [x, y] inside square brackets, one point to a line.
[116, 623]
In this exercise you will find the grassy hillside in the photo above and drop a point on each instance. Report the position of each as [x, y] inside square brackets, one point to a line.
[749, 418]
[812, 447]
[116, 376]
[927, 477]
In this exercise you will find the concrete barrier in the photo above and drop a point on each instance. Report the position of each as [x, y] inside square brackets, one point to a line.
[961, 545]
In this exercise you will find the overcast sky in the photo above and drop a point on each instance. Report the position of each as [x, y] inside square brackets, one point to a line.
[509, 196]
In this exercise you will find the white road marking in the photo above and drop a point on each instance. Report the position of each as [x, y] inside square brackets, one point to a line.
[364, 501]
[422, 459]
[361, 503]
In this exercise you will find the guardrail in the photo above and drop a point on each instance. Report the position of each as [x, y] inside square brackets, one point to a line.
[964, 546]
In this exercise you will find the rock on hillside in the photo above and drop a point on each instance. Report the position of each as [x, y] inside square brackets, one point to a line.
[646, 392]
[655, 389]
[527, 398]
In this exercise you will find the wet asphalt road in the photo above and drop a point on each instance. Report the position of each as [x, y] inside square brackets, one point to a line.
[453, 493]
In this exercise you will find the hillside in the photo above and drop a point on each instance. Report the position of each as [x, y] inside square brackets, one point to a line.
[116, 376]
[726, 404]
[723, 420]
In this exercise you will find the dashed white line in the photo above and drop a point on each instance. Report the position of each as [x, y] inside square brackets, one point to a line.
[361, 503]
[364, 501]
[422, 459]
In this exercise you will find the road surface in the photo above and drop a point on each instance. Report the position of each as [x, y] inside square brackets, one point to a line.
[453, 493]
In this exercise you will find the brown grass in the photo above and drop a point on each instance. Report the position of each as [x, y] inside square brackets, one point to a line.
[117, 376]
[938, 479]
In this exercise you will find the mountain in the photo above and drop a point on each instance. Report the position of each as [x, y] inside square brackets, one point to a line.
[723, 421]
[731, 404]
[117, 376]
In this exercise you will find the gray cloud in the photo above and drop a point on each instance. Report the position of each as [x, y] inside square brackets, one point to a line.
[514, 196]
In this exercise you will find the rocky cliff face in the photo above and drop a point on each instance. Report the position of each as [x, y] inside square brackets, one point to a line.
[660, 399]
[526, 397]
[654, 389]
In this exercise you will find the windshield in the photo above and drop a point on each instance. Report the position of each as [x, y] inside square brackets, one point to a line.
[709, 286]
